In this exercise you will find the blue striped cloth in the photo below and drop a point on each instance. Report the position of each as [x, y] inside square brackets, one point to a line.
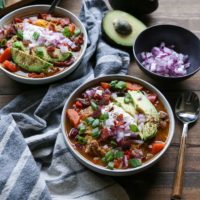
[35, 162]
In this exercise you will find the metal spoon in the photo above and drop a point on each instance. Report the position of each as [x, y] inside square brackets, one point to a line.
[187, 111]
[53, 5]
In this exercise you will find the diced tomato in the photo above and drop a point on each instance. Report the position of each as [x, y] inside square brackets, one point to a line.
[104, 134]
[106, 99]
[128, 153]
[18, 20]
[72, 28]
[133, 86]
[64, 22]
[43, 16]
[120, 117]
[157, 147]
[9, 66]
[119, 120]
[73, 117]
[152, 98]
[117, 163]
[79, 104]
[52, 27]
[105, 85]
[6, 55]
[118, 123]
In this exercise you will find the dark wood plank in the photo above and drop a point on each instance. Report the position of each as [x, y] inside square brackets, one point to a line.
[158, 185]
[4, 99]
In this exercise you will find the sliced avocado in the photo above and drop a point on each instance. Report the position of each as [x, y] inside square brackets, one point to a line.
[29, 62]
[19, 45]
[143, 104]
[121, 28]
[128, 107]
[43, 54]
[149, 131]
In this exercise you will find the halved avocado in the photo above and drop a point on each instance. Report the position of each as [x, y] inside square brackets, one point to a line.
[121, 28]
[28, 62]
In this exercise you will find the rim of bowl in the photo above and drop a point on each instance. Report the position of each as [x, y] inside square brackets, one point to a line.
[120, 172]
[160, 76]
[64, 71]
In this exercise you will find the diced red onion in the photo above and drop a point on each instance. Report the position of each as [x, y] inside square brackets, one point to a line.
[63, 49]
[165, 61]
[114, 95]
[138, 141]
[125, 161]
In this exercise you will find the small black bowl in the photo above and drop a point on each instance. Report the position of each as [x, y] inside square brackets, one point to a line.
[185, 42]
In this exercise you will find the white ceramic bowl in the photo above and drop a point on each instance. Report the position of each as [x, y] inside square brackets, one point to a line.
[117, 172]
[34, 10]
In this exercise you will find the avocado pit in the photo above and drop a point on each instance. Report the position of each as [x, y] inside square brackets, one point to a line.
[122, 26]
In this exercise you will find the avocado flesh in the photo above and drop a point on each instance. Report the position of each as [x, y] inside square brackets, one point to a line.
[149, 131]
[42, 53]
[128, 107]
[19, 45]
[143, 105]
[28, 62]
[113, 35]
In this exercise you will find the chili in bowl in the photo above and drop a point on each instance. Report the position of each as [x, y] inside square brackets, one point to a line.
[36, 47]
[117, 125]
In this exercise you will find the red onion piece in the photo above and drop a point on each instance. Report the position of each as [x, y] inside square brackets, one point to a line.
[165, 61]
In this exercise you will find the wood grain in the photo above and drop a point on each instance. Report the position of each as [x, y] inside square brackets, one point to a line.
[155, 183]
[178, 182]
[11, 5]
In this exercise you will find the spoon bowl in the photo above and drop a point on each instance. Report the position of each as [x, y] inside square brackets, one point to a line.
[187, 107]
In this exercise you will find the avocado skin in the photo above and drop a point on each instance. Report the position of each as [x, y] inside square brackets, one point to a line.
[28, 62]
[136, 7]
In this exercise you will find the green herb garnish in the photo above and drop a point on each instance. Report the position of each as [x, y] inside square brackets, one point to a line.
[36, 35]
[96, 132]
[120, 85]
[89, 120]
[20, 34]
[94, 106]
[95, 123]
[119, 154]
[127, 98]
[133, 128]
[109, 156]
[77, 31]
[135, 162]
[104, 116]
[110, 165]
[39, 52]
[66, 32]
[81, 128]
[81, 139]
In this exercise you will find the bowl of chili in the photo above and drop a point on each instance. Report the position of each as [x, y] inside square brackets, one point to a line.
[117, 124]
[39, 48]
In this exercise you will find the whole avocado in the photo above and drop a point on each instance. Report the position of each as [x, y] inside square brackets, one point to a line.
[135, 6]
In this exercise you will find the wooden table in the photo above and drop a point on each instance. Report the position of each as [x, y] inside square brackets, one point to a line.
[155, 183]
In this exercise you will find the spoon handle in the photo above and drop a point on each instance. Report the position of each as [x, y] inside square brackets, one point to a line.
[178, 182]
[53, 5]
